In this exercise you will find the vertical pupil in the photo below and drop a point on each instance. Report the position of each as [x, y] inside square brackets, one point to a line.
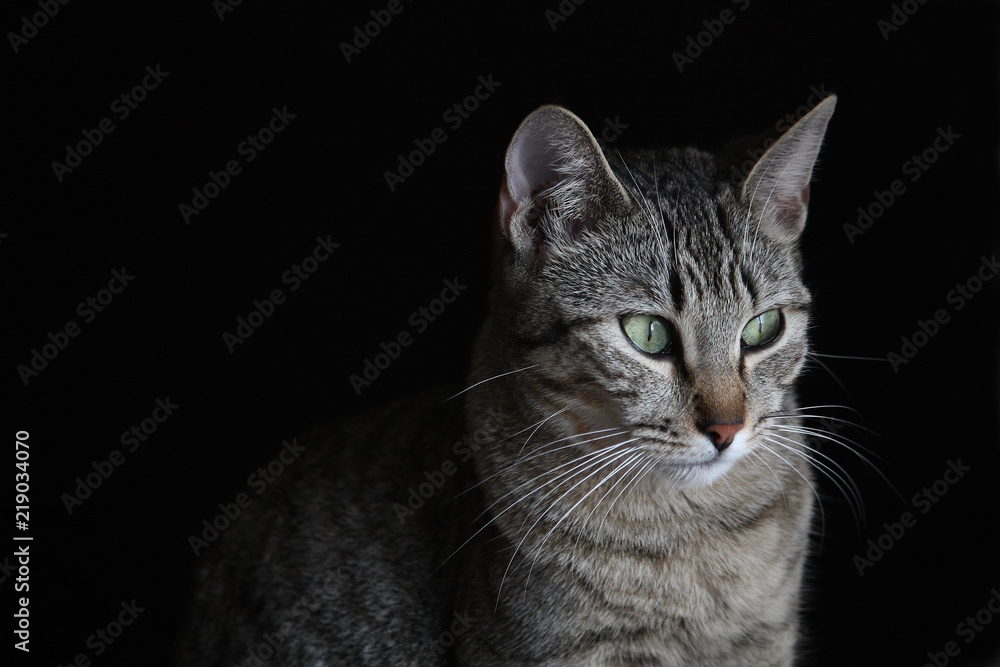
[647, 332]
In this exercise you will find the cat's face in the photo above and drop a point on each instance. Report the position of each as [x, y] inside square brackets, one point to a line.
[657, 308]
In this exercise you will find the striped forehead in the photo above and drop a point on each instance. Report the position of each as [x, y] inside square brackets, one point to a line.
[706, 257]
[699, 255]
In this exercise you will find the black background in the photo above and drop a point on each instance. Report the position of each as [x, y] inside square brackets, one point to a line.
[323, 175]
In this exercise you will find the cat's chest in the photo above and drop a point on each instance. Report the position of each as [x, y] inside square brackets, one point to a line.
[664, 603]
[696, 577]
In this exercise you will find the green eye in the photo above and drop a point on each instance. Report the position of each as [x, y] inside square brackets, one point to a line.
[649, 333]
[762, 329]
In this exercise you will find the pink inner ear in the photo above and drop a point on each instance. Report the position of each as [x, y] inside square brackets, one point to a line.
[789, 215]
[515, 228]
[783, 201]
[787, 210]
[531, 164]
[507, 208]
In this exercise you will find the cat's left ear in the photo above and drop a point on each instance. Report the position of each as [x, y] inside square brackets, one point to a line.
[777, 188]
[557, 182]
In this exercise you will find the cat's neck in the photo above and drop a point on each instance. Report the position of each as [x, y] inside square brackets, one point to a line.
[636, 552]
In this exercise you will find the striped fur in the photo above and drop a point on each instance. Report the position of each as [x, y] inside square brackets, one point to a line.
[658, 549]
[589, 519]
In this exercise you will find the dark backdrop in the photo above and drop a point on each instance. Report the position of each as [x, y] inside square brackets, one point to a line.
[221, 77]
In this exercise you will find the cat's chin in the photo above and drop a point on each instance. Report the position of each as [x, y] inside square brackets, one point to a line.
[700, 475]
[703, 473]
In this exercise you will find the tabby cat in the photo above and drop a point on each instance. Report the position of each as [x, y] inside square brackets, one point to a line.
[623, 483]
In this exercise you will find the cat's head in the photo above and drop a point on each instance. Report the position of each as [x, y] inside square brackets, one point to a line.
[645, 298]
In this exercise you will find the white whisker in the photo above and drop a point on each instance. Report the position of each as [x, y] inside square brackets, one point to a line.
[489, 379]
[541, 451]
[824, 435]
[763, 209]
[541, 545]
[830, 371]
[819, 501]
[844, 356]
[753, 196]
[633, 463]
[844, 483]
[579, 462]
[777, 479]
[540, 425]
[630, 485]
[610, 456]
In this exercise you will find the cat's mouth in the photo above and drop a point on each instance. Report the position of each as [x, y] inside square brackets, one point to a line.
[658, 439]
[693, 461]
[687, 453]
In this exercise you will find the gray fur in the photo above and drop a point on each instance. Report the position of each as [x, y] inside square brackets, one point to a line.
[588, 518]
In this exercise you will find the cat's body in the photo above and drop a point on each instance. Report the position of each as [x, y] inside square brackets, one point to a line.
[633, 491]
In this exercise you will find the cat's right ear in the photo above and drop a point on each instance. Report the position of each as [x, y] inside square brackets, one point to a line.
[557, 182]
[777, 188]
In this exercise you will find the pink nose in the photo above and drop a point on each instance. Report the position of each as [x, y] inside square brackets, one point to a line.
[722, 435]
